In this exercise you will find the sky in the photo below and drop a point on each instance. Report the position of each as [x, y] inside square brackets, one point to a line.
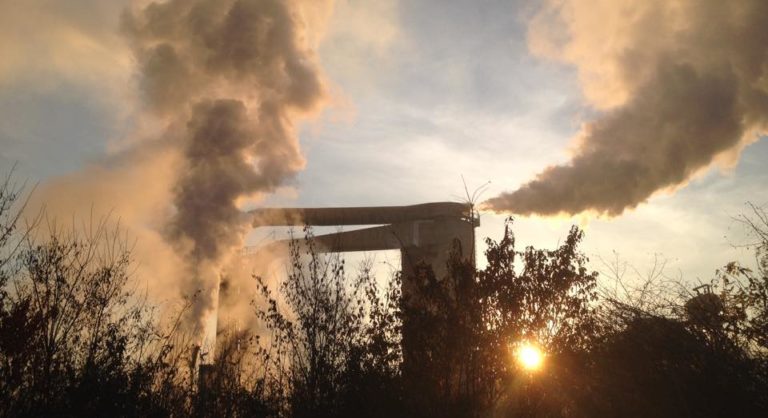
[420, 95]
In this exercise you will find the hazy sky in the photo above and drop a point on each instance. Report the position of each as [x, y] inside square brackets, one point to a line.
[422, 92]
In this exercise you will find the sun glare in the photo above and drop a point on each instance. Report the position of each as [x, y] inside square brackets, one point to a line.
[530, 356]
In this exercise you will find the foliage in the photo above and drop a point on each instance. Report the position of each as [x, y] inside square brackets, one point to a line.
[461, 330]
[77, 340]
[687, 352]
[333, 341]
[746, 289]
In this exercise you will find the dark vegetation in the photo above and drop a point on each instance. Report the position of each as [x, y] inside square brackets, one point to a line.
[77, 339]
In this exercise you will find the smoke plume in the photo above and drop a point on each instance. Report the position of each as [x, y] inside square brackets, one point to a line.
[231, 76]
[679, 84]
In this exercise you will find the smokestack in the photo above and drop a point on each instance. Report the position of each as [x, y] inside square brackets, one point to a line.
[231, 77]
[679, 85]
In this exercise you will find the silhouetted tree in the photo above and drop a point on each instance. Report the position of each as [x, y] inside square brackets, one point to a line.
[333, 341]
[74, 338]
[463, 328]
[683, 353]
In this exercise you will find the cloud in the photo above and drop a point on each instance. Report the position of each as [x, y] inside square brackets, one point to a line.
[679, 84]
[130, 189]
[48, 42]
[358, 47]
[234, 76]
[219, 89]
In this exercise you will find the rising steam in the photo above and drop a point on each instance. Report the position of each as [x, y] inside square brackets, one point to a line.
[680, 84]
[231, 76]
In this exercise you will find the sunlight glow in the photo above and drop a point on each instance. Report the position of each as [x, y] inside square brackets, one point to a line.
[529, 356]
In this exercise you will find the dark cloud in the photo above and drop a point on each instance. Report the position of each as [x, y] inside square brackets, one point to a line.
[238, 72]
[688, 85]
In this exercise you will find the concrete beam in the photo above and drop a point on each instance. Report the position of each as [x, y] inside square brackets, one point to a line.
[372, 215]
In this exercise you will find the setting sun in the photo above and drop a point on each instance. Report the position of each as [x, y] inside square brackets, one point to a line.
[530, 356]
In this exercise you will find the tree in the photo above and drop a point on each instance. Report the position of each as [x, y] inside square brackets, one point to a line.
[463, 327]
[669, 350]
[749, 288]
[332, 340]
[75, 340]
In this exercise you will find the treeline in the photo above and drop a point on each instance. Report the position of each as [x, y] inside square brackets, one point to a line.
[76, 339]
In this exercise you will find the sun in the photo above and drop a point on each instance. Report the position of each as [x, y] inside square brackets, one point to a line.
[529, 356]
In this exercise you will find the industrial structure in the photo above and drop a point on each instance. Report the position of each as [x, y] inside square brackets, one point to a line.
[423, 233]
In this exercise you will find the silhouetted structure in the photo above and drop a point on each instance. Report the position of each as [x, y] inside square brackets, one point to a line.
[423, 233]
[426, 234]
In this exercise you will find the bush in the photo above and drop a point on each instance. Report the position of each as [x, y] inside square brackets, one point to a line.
[75, 340]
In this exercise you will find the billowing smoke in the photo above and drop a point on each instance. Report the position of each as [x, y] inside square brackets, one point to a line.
[679, 84]
[231, 76]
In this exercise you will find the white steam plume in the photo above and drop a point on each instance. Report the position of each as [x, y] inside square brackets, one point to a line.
[232, 76]
[680, 84]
